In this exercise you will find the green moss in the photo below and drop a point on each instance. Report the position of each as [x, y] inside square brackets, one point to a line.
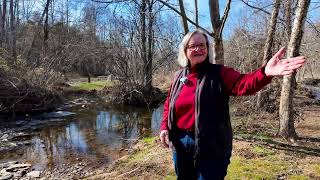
[262, 151]
[298, 177]
[260, 136]
[95, 85]
[138, 156]
[241, 168]
[316, 169]
[141, 155]
[149, 139]
[171, 176]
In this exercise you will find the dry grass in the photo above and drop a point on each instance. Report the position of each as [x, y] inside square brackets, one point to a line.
[147, 161]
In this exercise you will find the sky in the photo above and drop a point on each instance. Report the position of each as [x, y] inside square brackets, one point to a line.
[238, 9]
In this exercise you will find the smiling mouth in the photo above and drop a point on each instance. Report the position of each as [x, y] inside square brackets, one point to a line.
[196, 55]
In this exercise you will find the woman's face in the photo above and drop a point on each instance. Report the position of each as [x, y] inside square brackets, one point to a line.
[197, 49]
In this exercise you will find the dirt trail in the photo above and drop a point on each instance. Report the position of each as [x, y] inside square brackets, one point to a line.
[309, 127]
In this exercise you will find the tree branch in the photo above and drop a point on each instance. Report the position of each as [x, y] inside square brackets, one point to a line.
[313, 26]
[282, 20]
[255, 7]
[224, 17]
[178, 12]
[109, 2]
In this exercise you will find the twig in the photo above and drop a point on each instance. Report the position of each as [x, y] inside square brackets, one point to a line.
[126, 173]
[129, 139]
[178, 12]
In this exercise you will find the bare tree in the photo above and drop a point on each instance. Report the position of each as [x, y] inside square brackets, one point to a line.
[217, 26]
[216, 22]
[33, 54]
[143, 36]
[46, 26]
[13, 37]
[288, 21]
[196, 13]
[3, 22]
[183, 17]
[148, 61]
[262, 96]
[287, 129]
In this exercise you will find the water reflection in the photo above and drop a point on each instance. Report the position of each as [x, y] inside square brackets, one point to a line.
[76, 138]
[94, 135]
[315, 90]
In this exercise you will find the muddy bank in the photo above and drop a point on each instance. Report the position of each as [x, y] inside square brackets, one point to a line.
[18, 170]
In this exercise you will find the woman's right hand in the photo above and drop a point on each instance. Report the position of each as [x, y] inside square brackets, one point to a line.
[164, 138]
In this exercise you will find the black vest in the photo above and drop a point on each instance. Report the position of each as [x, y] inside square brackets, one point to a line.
[213, 131]
[214, 127]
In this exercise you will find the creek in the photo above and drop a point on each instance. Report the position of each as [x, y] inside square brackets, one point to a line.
[99, 135]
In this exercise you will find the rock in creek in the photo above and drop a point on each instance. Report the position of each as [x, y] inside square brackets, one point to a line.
[34, 174]
[17, 167]
[5, 136]
[14, 170]
[6, 176]
[57, 114]
[7, 164]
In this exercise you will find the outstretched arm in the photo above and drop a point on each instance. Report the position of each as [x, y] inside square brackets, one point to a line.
[237, 84]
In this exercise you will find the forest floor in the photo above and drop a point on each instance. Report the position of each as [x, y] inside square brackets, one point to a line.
[258, 153]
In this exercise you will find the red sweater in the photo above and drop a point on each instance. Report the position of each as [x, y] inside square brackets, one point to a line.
[235, 84]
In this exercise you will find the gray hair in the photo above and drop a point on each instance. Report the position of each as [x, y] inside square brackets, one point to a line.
[182, 57]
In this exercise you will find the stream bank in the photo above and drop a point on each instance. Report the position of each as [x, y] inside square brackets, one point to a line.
[71, 143]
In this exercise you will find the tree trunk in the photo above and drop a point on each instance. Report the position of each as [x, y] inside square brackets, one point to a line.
[13, 34]
[287, 14]
[288, 24]
[196, 13]
[46, 27]
[17, 13]
[3, 22]
[143, 38]
[33, 54]
[52, 11]
[148, 62]
[184, 19]
[67, 9]
[89, 77]
[263, 96]
[287, 129]
[217, 26]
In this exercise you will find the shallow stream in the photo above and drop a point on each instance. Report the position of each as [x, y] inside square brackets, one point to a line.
[99, 136]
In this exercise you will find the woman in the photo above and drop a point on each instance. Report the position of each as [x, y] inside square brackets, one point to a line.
[196, 122]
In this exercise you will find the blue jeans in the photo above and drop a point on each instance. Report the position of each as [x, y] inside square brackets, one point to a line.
[183, 158]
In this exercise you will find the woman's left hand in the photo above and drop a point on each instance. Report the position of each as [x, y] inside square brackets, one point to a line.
[279, 67]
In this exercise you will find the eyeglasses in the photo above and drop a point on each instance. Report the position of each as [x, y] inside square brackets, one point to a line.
[197, 46]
